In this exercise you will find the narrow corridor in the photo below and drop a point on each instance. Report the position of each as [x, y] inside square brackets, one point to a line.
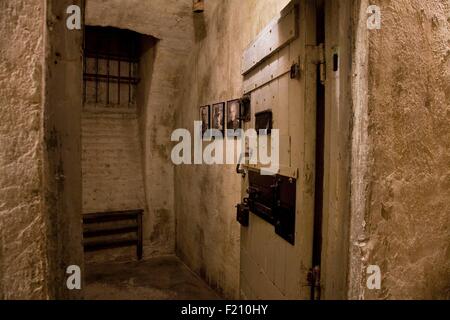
[242, 150]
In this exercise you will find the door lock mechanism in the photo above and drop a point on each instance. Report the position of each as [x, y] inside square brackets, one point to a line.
[295, 71]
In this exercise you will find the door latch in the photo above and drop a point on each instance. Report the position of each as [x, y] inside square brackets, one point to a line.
[239, 169]
[243, 213]
[295, 71]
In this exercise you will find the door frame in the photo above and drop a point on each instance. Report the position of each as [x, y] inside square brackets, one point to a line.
[338, 118]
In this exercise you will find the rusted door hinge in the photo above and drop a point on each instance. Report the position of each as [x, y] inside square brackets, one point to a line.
[314, 282]
[322, 63]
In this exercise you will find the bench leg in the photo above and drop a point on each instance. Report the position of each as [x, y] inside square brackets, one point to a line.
[139, 245]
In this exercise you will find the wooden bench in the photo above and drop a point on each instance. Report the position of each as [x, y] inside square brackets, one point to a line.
[95, 229]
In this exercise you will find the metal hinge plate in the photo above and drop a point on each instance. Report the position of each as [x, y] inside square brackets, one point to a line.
[322, 63]
[314, 282]
[295, 70]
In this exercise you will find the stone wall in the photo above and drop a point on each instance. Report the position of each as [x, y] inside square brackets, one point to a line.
[40, 177]
[405, 225]
[23, 261]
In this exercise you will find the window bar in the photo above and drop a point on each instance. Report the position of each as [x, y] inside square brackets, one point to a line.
[118, 83]
[129, 80]
[96, 79]
[111, 56]
[104, 79]
[107, 81]
[84, 64]
[84, 80]
[131, 70]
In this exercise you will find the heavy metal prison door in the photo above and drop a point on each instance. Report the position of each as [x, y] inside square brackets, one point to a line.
[280, 70]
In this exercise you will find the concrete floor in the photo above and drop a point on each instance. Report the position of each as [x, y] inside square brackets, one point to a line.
[164, 278]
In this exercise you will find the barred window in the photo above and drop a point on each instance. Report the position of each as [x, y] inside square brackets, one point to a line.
[111, 60]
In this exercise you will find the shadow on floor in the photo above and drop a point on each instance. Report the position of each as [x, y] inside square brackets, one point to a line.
[164, 278]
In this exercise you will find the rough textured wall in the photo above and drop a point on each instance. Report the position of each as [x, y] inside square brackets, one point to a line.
[171, 23]
[207, 232]
[111, 158]
[406, 223]
[23, 263]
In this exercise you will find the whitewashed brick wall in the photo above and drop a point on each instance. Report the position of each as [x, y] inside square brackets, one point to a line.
[111, 162]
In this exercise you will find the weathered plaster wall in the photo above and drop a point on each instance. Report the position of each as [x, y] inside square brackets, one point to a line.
[40, 176]
[171, 23]
[23, 261]
[405, 227]
[207, 232]
[112, 166]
